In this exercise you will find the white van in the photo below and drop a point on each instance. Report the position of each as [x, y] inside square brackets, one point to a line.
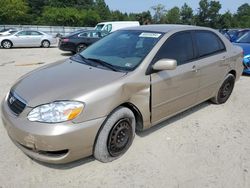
[113, 26]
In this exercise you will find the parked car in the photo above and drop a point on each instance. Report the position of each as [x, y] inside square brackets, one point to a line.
[113, 26]
[27, 38]
[130, 80]
[244, 43]
[7, 31]
[79, 40]
[235, 34]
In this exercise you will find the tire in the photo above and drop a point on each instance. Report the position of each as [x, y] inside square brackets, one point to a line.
[45, 44]
[7, 44]
[225, 90]
[115, 136]
[80, 48]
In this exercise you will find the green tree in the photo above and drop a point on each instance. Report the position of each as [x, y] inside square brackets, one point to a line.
[227, 20]
[243, 16]
[159, 13]
[62, 16]
[187, 16]
[90, 18]
[208, 13]
[13, 11]
[85, 4]
[102, 9]
[144, 17]
[36, 6]
[118, 16]
[173, 16]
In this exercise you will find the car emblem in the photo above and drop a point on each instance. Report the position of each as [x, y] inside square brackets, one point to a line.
[12, 100]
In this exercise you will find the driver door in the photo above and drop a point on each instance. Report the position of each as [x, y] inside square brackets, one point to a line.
[173, 91]
[20, 39]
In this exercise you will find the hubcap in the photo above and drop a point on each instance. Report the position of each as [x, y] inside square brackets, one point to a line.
[46, 44]
[120, 137]
[226, 90]
[6, 44]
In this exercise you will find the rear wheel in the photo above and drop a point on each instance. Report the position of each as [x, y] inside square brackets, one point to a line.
[116, 135]
[225, 90]
[6, 44]
[45, 44]
[80, 48]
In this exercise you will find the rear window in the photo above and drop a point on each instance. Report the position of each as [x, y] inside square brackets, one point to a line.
[245, 38]
[208, 43]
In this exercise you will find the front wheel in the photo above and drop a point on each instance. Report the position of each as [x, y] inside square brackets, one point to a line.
[225, 90]
[116, 135]
[6, 44]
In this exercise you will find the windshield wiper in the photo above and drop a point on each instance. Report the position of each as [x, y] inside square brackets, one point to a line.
[103, 63]
[82, 60]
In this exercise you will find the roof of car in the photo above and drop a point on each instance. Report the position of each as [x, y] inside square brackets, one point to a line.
[164, 27]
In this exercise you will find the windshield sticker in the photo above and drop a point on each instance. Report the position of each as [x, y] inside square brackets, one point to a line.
[150, 35]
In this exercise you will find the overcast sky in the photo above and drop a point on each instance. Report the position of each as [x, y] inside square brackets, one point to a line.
[144, 5]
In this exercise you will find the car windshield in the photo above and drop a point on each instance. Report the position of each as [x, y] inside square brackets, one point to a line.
[245, 38]
[99, 27]
[124, 50]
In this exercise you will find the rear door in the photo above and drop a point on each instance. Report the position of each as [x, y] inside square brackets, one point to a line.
[211, 63]
[175, 90]
[35, 38]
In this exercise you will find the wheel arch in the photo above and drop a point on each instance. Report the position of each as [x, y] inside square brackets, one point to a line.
[80, 43]
[136, 112]
[6, 40]
[233, 72]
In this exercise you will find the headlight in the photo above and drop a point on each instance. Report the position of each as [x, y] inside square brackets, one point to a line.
[56, 112]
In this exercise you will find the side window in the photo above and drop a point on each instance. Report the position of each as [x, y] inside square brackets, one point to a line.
[85, 34]
[22, 33]
[178, 47]
[208, 43]
[96, 34]
[35, 33]
[108, 27]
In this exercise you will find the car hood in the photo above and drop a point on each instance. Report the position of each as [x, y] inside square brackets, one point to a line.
[245, 47]
[64, 80]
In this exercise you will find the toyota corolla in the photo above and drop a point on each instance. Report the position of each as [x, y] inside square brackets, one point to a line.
[133, 79]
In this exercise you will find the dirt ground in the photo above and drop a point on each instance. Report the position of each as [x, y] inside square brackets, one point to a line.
[206, 146]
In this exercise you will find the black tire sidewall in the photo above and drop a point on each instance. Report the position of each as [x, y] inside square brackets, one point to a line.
[101, 152]
[44, 42]
[229, 78]
[6, 41]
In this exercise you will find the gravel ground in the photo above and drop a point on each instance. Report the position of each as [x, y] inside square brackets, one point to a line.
[206, 146]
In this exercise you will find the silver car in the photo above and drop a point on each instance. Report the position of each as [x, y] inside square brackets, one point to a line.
[132, 79]
[27, 39]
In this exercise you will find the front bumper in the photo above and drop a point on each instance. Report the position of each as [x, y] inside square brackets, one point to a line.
[52, 143]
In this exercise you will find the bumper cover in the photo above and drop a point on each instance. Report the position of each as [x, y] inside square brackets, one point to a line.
[51, 143]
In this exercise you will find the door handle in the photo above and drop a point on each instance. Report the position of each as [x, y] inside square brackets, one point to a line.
[195, 69]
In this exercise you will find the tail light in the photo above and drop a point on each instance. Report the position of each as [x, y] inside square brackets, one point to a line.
[65, 40]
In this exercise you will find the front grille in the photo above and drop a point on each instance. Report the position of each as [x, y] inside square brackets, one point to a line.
[15, 104]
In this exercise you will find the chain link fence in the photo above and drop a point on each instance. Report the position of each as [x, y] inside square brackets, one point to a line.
[53, 30]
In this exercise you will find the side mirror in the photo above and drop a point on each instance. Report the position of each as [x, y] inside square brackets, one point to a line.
[165, 64]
